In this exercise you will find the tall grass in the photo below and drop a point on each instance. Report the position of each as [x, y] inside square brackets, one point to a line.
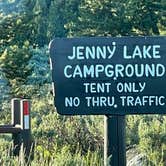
[42, 157]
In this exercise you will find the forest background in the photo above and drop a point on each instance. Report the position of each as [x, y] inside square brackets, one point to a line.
[26, 28]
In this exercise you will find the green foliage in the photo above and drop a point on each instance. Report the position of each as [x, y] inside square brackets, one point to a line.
[4, 89]
[77, 133]
[55, 27]
[5, 113]
[116, 18]
[146, 16]
[132, 122]
[60, 157]
[39, 65]
[13, 62]
[5, 149]
[63, 157]
[153, 139]
[96, 18]
[16, 29]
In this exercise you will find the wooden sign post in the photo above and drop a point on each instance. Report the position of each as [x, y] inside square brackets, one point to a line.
[20, 128]
[110, 76]
[114, 141]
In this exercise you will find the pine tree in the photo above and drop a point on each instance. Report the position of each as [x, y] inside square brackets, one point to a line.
[4, 89]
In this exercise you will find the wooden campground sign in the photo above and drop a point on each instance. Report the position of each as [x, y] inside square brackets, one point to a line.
[109, 76]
